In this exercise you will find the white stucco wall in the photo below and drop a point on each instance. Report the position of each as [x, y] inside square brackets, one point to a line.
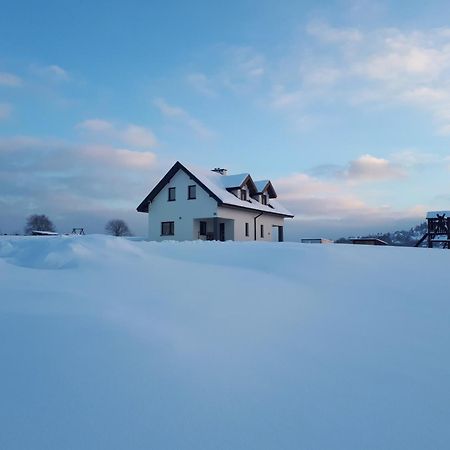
[181, 211]
[241, 217]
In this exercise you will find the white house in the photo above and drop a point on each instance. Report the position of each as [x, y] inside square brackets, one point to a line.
[190, 204]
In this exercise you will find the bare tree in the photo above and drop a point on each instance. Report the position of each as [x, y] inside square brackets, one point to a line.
[117, 227]
[38, 222]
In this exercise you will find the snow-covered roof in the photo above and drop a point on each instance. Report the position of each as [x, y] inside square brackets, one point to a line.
[261, 184]
[434, 214]
[234, 181]
[217, 186]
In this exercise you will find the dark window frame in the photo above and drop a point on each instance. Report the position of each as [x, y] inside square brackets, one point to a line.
[262, 230]
[243, 195]
[190, 196]
[264, 199]
[247, 229]
[169, 196]
[171, 231]
[203, 225]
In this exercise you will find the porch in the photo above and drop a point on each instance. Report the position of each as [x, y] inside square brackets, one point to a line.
[214, 229]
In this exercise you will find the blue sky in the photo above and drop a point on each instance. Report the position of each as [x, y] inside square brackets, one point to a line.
[344, 105]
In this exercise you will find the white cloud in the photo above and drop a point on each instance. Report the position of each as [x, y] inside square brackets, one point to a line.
[201, 83]
[5, 110]
[138, 136]
[338, 201]
[133, 135]
[240, 70]
[95, 125]
[329, 34]
[243, 70]
[119, 157]
[384, 67]
[181, 115]
[416, 159]
[72, 180]
[52, 72]
[9, 79]
[368, 167]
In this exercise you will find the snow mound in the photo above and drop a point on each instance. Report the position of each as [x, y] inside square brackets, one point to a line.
[61, 252]
[110, 343]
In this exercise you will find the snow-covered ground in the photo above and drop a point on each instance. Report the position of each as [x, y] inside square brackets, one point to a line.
[109, 343]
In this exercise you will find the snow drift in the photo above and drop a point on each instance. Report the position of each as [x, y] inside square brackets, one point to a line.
[109, 343]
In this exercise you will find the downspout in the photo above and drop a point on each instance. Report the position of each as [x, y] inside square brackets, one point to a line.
[254, 219]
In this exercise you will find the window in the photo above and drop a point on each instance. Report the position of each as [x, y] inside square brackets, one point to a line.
[171, 194]
[264, 199]
[246, 229]
[192, 192]
[243, 194]
[262, 231]
[167, 228]
[202, 228]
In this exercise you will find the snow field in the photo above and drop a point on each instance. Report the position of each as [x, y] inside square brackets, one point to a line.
[110, 343]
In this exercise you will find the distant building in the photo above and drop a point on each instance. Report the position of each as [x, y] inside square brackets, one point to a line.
[316, 241]
[368, 241]
[190, 203]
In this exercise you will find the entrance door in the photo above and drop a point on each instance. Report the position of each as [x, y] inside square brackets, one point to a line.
[222, 231]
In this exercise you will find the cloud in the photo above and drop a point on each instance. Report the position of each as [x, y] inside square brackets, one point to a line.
[182, 116]
[368, 167]
[132, 135]
[201, 83]
[68, 180]
[329, 34]
[387, 67]
[138, 136]
[239, 70]
[5, 110]
[243, 69]
[9, 80]
[336, 208]
[95, 125]
[409, 159]
[340, 200]
[51, 72]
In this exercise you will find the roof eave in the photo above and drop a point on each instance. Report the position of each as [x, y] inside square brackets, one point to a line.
[229, 205]
[166, 179]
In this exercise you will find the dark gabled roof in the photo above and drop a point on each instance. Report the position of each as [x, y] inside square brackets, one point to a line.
[217, 186]
[143, 207]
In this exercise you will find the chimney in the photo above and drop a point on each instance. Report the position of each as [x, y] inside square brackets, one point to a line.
[219, 170]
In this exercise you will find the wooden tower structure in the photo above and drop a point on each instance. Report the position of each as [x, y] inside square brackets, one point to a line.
[438, 233]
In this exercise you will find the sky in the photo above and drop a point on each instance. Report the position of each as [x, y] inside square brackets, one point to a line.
[344, 105]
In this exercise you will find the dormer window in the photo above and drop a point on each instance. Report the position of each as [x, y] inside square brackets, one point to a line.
[264, 199]
[243, 195]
